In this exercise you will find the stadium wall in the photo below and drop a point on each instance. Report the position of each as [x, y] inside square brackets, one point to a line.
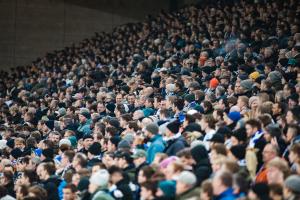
[30, 28]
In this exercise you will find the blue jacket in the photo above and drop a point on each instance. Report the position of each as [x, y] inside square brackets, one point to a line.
[226, 195]
[85, 128]
[157, 146]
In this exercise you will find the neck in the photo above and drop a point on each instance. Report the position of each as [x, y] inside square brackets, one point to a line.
[207, 129]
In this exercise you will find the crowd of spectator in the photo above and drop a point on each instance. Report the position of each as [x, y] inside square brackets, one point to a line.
[202, 103]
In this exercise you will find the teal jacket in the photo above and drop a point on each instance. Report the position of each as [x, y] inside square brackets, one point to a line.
[157, 146]
[85, 128]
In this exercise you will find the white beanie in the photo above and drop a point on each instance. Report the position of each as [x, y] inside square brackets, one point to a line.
[187, 178]
[64, 141]
[100, 178]
[3, 144]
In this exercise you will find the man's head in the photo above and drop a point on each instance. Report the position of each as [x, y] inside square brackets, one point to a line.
[186, 181]
[172, 128]
[45, 170]
[116, 174]
[151, 130]
[69, 192]
[221, 182]
[139, 157]
[252, 126]
[87, 141]
[67, 158]
[270, 151]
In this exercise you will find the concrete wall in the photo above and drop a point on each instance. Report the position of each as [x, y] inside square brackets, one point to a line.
[30, 28]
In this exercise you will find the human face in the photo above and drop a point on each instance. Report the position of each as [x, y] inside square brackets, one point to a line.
[76, 179]
[146, 194]
[289, 117]
[19, 145]
[274, 175]
[275, 109]
[293, 157]
[250, 130]
[234, 141]
[141, 177]
[100, 108]
[180, 187]
[82, 118]
[268, 154]
[87, 142]
[68, 194]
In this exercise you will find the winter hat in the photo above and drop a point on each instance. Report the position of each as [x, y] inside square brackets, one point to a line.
[238, 151]
[87, 136]
[261, 190]
[174, 126]
[95, 149]
[85, 112]
[199, 152]
[61, 112]
[254, 75]
[3, 144]
[213, 83]
[73, 141]
[187, 178]
[65, 141]
[164, 164]
[111, 107]
[193, 127]
[50, 124]
[234, 116]
[275, 76]
[16, 153]
[124, 144]
[115, 140]
[293, 183]
[294, 97]
[129, 137]
[48, 153]
[152, 128]
[100, 178]
[189, 98]
[10, 143]
[217, 138]
[224, 130]
[114, 122]
[139, 153]
[240, 134]
[247, 84]
[168, 188]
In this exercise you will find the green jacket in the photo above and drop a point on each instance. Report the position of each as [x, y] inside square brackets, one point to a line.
[102, 195]
[192, 194]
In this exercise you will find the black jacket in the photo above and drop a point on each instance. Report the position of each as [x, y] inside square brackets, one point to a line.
[173, 146]
[202, 168]
[51, 185]
[123, 187]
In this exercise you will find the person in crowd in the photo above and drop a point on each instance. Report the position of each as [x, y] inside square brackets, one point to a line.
[205, 97]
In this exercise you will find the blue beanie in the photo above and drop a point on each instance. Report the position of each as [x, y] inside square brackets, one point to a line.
[168, 188]
[234, 116]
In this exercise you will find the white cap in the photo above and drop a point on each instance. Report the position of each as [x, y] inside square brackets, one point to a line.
[64, 141]
[100, 178]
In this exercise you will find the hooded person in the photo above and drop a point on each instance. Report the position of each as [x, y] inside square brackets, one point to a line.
[202, 167]
[175, 141]
[98, 186]
[84, 122]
